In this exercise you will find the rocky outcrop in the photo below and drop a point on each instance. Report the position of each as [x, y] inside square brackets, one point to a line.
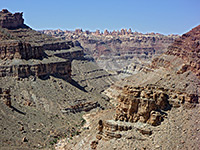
[62, 69]
[26, 60]
[69, 54]
[23, 60]
[78, 31]
[138, 104]
[9, 20]
[187, 48]
[20, 50]
[110, 129]
[105, 32]
[144, 104]
[5, 96]
[111, 126]
[25, 52]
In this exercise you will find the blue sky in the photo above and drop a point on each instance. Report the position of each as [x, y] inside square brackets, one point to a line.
[162, 16]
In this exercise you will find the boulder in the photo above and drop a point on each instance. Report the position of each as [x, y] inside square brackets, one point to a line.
[155, 118]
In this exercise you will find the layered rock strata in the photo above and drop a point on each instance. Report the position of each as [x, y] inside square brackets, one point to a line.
[51, 86]
[172, 81]
[9, 20]
[20, 50]
[62, 68]
[187, 48]
[58, 45]
[111, 126]
[25, 52]
[115, 51]
[22, 60]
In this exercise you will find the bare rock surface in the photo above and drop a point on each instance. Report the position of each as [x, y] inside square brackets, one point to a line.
[156, 109]
[121, 52]
[47, 85]
[187, 48]
[9, 20]
[51, 95]
[173, 133]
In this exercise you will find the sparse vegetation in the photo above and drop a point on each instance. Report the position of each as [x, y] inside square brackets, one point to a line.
[54, 141]
[83, 121]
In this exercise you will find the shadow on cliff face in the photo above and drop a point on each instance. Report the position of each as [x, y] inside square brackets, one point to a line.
[74, 83]
[23, 26]
[66, 79]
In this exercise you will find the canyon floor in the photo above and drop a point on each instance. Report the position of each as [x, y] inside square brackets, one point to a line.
[179, 130]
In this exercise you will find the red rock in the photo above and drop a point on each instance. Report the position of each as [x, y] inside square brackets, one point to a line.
[187, 48]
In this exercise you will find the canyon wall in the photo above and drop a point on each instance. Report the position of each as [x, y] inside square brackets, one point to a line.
[187, 48]
[24, 70]
[20, 50]
[25, 52]
[51, 85]
[118, 51]
[172, 81]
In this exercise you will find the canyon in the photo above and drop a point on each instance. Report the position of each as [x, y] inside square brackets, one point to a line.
[92, 90]
[156, 108]
[121, 53]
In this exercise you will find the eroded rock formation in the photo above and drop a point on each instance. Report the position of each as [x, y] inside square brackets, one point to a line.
[185, 48]
[5, 96]
[38, 69]
[20, 50]
[171, 82]
[46, 75]
[116, 50]
[144, 104]
[9, 20]
[25, 52]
